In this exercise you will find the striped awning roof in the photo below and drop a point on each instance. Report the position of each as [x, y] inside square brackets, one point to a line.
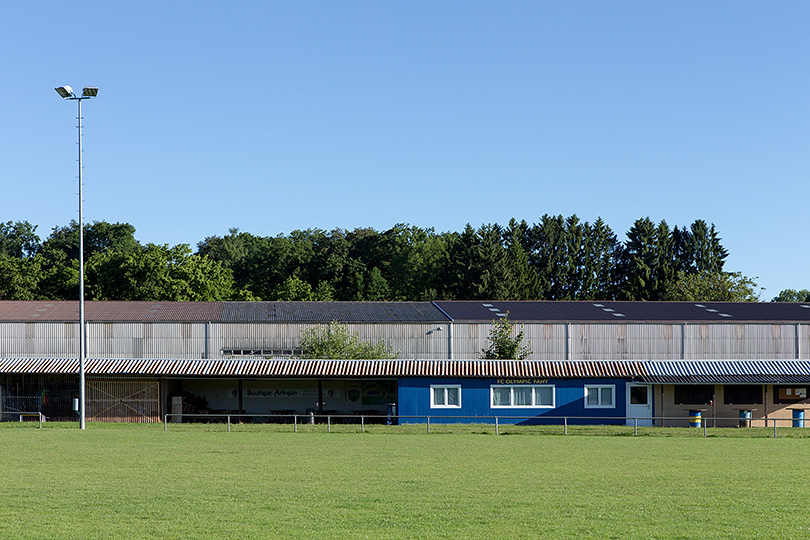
[327, 368]
[661, 372]
[728, 372]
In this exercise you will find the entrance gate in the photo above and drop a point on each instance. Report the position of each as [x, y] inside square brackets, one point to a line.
[121, 400]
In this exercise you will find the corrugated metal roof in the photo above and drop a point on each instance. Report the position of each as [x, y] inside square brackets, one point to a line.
[325, 312]
[35, 310]
[728, 372]
[392, 312]
[298, 312]
[328, 368]
[627, 311]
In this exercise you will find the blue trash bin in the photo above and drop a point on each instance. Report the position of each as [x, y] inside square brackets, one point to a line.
[798, 417]
[695, 419]
[745, 418]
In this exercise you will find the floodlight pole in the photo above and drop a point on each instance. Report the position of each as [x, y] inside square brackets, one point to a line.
[67, 93]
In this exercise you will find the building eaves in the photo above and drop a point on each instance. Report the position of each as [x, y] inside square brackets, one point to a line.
[728, 372]
[326, 368]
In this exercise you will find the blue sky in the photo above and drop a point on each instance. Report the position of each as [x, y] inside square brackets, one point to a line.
[275, 116]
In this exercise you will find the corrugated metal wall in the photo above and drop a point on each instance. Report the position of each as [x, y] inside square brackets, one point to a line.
[411, 340]
[32, 339]
[146, 340]
[637, 341]
[742, 341]
[464, 341]
[625, 341]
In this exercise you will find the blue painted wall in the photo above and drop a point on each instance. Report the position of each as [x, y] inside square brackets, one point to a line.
[414, 400]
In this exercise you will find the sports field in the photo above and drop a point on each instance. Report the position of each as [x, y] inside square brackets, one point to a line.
[137, 481]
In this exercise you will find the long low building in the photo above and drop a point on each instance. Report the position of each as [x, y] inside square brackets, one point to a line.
[593, 362]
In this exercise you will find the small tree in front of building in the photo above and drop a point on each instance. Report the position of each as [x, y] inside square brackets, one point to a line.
[505, 343]
[334, 341]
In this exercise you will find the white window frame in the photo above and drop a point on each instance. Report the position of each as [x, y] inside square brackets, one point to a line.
[512, 387]
[445, 387]
[599, 388]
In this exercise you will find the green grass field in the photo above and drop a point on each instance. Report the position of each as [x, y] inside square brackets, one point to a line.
[137, 481]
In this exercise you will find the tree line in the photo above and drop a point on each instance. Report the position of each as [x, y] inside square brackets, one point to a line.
[557, 258]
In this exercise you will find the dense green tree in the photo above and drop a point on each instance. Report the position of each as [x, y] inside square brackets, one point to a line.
[59, 275]
[599, 277]
[230, 250]
[324, 292]
[648, 264]
[639, 260]
[236, 252]
[712, 287]
[293, 289]
[492, 263]
[463, 269]
[417, 262]
[698, 248]
[548, 257]
[558, 258]
[157, 272]
[20, 277]
[264, 266]
[99, 237]
[520, 283]
[18, 239]
[505, 342]
[376, 288]
[372, 247]
[707, 253]
[573, 260]
[666, 264]
[791, 295]
[335, 341]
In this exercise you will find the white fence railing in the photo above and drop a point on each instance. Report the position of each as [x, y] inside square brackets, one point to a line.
[18, 416]
[498, 422]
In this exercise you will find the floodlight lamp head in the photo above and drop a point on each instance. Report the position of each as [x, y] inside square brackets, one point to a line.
[90, 91]
[65, 91]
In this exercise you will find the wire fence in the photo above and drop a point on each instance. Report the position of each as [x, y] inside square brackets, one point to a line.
[497, 425]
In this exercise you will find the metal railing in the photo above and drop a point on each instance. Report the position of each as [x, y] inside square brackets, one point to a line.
[19, 415]
[498, 422]
[294, 419]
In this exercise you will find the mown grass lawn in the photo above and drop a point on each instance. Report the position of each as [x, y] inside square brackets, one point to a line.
[137, 481]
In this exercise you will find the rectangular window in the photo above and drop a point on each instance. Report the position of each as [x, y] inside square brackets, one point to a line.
[639, 395]
[699, 394]
[266, 353]
[522, 396]
[745, 394]
[600, 396]
[445, 396]
[789, 394]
